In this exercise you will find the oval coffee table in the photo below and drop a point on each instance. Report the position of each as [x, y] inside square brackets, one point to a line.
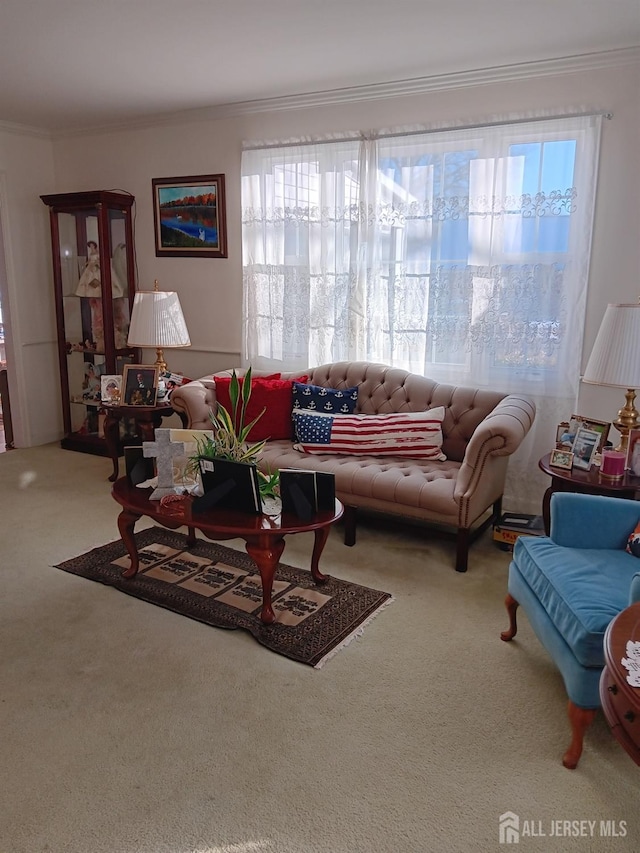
[263, 534]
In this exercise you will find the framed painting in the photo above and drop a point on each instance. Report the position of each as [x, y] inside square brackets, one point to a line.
[190, 217]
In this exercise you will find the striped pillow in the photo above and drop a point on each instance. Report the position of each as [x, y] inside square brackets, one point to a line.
[416, 435]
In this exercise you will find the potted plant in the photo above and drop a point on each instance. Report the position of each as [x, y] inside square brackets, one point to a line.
[230, 437]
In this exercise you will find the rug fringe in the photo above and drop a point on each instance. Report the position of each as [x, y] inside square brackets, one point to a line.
[358, 632]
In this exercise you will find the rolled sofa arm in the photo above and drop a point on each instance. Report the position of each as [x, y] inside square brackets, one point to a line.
[196, 400]
[484, 467]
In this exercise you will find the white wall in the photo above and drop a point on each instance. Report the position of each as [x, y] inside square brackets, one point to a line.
[211, 289]
[26, 288]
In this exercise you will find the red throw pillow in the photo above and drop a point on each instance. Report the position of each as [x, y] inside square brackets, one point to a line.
[275, 395]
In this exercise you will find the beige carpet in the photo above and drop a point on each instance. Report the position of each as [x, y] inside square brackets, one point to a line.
[128, 729]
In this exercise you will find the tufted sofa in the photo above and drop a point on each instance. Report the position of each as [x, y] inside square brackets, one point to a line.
[481, 429]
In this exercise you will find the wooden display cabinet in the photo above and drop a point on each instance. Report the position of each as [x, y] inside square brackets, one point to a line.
[94, 280]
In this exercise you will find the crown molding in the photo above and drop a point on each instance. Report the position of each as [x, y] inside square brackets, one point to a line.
[379, 91]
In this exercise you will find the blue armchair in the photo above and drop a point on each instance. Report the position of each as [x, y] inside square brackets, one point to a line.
[571, 584]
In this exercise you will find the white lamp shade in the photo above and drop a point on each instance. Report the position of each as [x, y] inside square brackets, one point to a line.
[157, 320]
[615, 358]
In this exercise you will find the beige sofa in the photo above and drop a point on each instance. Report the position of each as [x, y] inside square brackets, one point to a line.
[481, 429]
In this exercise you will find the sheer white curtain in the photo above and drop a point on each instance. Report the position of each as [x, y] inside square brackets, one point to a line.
[462, 255]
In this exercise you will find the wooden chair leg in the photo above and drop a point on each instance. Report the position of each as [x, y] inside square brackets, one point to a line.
[512, 605]
[350, 516]
[580, 719]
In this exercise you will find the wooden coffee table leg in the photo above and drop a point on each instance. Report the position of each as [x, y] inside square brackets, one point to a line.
[266, 559]
[126, 523]
[321, 536]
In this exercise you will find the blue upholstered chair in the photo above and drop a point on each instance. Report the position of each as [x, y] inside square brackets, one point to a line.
[571, 584]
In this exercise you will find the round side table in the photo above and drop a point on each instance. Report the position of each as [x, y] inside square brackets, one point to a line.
[590, 482]
[146, 418]
[620, 701]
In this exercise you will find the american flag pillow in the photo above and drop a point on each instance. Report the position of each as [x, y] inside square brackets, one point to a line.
[416, 435]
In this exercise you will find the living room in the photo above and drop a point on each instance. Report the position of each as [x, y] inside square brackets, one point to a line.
[101, 666]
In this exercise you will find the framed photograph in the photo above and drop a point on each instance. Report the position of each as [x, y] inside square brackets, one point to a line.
[633, 452]
[561, 459]
[562, 435]
[110, 388]
[585, 447]
[601, 427]
[190, 217]
[140, 383]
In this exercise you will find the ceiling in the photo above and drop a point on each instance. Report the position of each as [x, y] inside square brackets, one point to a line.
[74, 64]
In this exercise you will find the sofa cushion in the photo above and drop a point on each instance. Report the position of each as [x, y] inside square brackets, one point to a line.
[329, 400]
[272, 394]
[582, 589]
[416, 435]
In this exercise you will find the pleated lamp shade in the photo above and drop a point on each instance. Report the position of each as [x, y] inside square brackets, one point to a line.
[615, 358]
[157, 321]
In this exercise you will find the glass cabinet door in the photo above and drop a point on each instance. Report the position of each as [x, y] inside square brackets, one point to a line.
[92, 249]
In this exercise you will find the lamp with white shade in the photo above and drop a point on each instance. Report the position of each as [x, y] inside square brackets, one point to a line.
[615, 361]
[157, 321]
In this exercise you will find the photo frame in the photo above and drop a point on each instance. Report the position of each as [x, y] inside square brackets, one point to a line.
[562, 433]
[140, 382]
[110, 388]
[601, 427]
[633, 452]
[585, 446]
[561, 459]
[190, 216]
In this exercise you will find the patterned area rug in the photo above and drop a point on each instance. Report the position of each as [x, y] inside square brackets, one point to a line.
[221, 587]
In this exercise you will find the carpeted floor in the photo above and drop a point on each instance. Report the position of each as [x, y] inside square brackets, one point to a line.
[126, 728]
[221, 587]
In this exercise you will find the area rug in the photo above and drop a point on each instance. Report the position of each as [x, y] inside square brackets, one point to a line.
[221, 587]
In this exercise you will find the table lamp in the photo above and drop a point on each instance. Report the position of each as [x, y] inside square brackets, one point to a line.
[615, 360]
[157, 321]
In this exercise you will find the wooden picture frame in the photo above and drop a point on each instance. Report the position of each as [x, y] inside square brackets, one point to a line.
[561, 459]
[585, 446]
[190, 216]
[140, 383]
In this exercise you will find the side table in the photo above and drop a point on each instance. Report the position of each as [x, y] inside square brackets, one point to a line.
[146, 418]
[590, 482]
[620, 701]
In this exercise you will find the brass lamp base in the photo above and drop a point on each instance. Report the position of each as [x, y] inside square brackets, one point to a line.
[161, 364]
[627, 420]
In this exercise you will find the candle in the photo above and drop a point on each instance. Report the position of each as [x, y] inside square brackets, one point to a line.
[612, 463]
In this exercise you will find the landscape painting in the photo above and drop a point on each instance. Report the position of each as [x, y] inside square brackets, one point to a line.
[190, 219]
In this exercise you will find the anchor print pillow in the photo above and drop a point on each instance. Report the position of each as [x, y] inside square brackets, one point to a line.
[329, 401]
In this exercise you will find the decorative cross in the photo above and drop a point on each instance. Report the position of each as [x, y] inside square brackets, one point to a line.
[164, 450]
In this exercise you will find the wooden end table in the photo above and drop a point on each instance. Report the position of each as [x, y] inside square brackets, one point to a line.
[264, 535]
[620, 701]
[147, 419]
[590, 482]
